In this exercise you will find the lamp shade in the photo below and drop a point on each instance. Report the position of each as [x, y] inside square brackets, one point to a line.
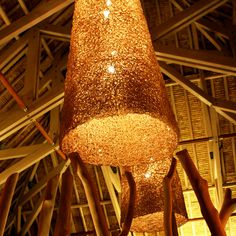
[149, 205]
[116, 111]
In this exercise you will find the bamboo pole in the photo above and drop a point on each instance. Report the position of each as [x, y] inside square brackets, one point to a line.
[200, 187]
[130, 212]
[5, 200]
[168, 199]
[48, 206]
[95, 208]
[10, 89]
[62, 227]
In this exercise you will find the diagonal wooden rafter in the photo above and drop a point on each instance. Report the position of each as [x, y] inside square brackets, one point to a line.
[19, 152]
[12, 121]
[37, 15]
[187, 17]
[59, 169]
[196, 91]
[27, 162]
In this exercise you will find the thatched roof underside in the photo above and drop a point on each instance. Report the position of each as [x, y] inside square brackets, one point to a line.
[197, 46]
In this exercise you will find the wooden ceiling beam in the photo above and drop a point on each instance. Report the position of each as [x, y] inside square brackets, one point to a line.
[186, 84]
[215, 27]
[8, 54]
[221, 107]
[201, 59]
[15, 119]
[27, 162]
[37, 15]
[186, 17]
[19, 152]
[57, 31]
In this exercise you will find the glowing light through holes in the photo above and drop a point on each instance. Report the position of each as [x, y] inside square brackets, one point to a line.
[111, 69]
[148, 174]
[109, 3]
[106, 14]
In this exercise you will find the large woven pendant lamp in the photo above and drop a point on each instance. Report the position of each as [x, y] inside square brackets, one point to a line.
[116, 111]
[149, 205]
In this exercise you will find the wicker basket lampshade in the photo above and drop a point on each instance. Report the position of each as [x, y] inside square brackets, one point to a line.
[116, 111]
[149, 205]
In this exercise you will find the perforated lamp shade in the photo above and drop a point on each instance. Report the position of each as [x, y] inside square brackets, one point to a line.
[149, 206]
[116, 111]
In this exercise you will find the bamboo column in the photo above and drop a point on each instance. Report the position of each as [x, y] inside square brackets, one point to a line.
[48, 206]
[5, 200]
[62, 227]
[200, 187]
[95, 208]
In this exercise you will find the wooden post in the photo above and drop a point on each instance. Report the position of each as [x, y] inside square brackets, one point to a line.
[5, 200]
[168, 199]
[229, 205]
[62, 227]
[48, 206]
[130, 212]
[95, 208]
[200, 187]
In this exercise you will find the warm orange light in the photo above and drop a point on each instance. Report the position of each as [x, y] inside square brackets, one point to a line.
[116, 110]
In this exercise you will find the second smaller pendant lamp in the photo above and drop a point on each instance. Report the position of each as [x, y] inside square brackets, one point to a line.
[149, 205]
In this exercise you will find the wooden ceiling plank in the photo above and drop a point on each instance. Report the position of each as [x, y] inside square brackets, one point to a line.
[26, 162]
[19, 152]
[201, 59]
[37, 15]
[186, 17]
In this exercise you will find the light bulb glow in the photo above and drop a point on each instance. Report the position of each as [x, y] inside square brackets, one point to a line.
[109, 3]
[148, 174]
[106, 14]
[114, 53]
[111, 69]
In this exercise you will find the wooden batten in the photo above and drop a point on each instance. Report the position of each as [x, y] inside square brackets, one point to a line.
[5, 200]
